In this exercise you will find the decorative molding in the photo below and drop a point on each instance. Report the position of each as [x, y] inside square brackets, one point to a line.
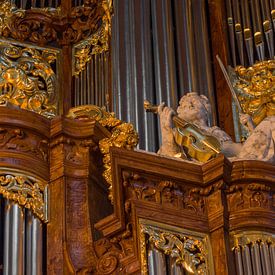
[97, 43]
[26, 191]
[27, 78]
[190, 251]
[166, 193]
[110, 252]
[246, 238]
[50, 26]
[254, 195]
[23, 141]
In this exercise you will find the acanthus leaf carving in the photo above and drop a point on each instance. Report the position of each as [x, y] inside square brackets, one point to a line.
[245, 196]
[28, 79]
[165, 192]
[23, 141]
[44, 26]
[188, 251]
[26, 191]
[111, 251]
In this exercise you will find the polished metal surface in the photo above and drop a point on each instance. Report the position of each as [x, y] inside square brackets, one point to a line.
[176, 269]
[265, 259]
[256, 260]
[160, 51]
[238, 259]
[91, 85]
[271, 249]
[156, 262]
[14, 240]
[247, 261]
[34, 241]
[7, 237]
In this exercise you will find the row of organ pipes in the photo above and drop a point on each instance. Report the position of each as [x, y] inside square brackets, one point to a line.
[256, 258]
[21, 241]
[91, 85]
[251, 27]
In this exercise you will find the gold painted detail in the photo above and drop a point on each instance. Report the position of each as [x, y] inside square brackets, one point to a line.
[122, 135]
[96, 44]
[7, 10]
[27, 79]
[62, 26]
[255, 88]
[190, 252]
[26, 191]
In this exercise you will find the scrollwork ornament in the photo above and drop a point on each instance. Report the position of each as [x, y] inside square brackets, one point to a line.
[50, 26]
[96, 44]
[188, 251]
[122, 135]
[26, 191]
[27, 79]
[108, 263]
[255, 89]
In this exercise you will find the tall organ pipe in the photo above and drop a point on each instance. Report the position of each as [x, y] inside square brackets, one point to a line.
[33, 245]
[14, 240]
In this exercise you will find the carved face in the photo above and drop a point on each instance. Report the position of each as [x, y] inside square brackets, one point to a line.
[193, 108]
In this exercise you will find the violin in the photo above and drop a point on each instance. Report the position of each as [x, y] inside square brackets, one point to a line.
[197, 144]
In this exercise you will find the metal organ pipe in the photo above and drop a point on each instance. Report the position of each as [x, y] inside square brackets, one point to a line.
[23, 241]
[156, 262]
[33, 245]
[14, 240]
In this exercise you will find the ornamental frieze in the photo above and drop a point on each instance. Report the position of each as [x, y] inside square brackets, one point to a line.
[53, 25]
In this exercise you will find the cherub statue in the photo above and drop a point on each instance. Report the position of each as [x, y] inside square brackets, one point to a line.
[196, 109]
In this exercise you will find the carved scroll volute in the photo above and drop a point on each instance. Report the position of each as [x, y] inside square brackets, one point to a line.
[63, 26]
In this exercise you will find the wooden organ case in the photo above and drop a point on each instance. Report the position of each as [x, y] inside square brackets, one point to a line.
[75, 198]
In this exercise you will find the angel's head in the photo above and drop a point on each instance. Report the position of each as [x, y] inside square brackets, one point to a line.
[194, 108]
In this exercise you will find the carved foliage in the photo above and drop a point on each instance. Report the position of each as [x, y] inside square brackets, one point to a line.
[43, 26]
[110, 252]
[27, 79]
[188, 251]
[97, 43]
[252, 195]
[166, 193]
[23, 141]
[25, 191]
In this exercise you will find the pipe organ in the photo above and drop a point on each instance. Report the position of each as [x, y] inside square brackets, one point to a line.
[76, 197]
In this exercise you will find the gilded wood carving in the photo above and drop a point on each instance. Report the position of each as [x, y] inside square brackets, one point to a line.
[50, 26]
[28, 79]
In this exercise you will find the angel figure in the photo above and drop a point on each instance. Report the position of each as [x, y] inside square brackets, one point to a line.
[196, 109]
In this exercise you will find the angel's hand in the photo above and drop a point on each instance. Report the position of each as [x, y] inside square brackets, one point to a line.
[165, 115]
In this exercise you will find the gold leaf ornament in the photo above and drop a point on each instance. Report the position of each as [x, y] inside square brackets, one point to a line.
[123, 135]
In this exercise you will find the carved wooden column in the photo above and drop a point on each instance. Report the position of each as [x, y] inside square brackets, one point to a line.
[72, 145]
[219, 232]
